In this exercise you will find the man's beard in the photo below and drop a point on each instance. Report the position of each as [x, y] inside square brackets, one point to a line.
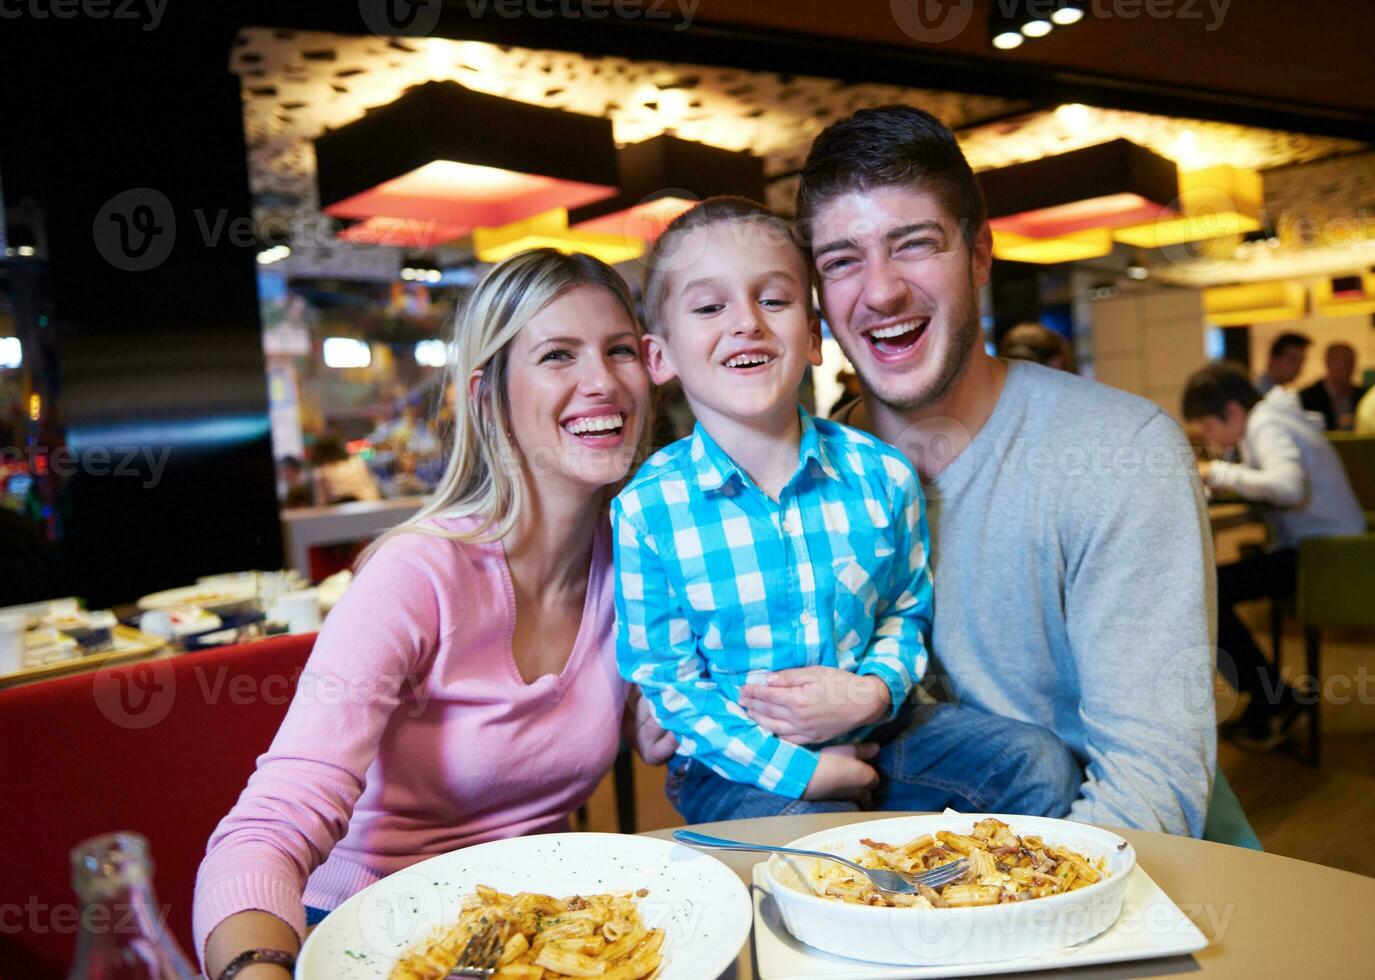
[964, 334]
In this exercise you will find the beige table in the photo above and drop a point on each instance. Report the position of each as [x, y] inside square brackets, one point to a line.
[1264, 915]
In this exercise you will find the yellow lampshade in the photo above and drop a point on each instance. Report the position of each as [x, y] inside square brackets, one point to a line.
[1213, 202]
[1092, 244]
[550, 230]
[1327, 304]
[1253, 302]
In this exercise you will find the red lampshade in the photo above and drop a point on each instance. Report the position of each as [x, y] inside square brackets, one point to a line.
[461, 159]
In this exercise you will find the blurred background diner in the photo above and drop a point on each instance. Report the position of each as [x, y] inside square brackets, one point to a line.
[233, 237]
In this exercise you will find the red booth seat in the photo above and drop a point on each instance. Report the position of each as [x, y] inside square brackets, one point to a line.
[162, 747]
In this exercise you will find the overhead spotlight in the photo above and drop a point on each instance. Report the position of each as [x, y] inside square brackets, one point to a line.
[1067, 14]
[1012, 21]
[1138, 272]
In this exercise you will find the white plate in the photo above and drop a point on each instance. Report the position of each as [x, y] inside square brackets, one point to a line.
[699, 902]
[217, 597]
[1150, 926]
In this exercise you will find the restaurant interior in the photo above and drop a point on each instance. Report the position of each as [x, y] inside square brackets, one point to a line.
[233, 243]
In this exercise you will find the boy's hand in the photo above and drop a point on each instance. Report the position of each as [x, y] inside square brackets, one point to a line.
[842, 773]
[654, 744]
[809, 705]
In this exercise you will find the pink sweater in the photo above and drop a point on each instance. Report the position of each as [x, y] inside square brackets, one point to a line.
[412, 734]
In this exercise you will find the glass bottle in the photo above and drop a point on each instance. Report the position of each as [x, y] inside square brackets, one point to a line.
[124, 934]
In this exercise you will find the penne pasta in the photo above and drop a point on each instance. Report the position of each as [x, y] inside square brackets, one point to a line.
[545, 938]
[1002, 868]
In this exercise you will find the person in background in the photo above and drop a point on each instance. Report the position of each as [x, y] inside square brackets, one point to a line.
[1033, 342]
[1290, 466]
[339, 477]
[296, 483]
[1336, 395]
[849, 391]
[1365, 414]
[1287, 354]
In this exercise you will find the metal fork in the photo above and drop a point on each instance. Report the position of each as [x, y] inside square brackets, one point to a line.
[479, 957]
[892, 882]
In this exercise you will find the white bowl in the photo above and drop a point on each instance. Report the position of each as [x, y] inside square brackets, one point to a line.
[954, 936]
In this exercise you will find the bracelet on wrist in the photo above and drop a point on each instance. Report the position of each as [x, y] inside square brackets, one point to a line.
[250, 957]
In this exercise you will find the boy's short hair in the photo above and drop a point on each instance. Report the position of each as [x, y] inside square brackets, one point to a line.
[1287, 340]
[1210, 388]
[893, 145]
[666, 255]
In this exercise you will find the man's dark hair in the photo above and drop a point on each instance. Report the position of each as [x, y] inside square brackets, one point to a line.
[1209, 389]
[1287, 340]
[894, 145]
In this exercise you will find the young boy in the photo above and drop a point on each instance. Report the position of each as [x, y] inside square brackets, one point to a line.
[1288, 464]
[773, 592]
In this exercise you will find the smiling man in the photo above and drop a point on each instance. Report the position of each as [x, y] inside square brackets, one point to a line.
[1072, 559]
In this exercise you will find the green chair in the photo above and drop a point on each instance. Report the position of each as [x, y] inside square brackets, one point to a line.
[1226, 822]
[1336, 588]
[1357, 453]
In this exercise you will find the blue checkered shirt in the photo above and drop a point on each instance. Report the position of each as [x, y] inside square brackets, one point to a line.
[718, 585]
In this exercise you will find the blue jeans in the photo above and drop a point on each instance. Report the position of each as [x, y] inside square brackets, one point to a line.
[932, 757]
[315, 916]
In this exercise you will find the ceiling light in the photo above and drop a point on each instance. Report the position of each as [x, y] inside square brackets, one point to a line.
[550, 230]
[1007, 40]
[445, 154]
[274, 254]
[1111, 185]
[654, 175]
[11, 352]
[1216, 202]
[1037, 28]
[1091, 244]
[1074, 116]
[431, 353]
[1253, 302]
[1067, 15]
[1345, 295]
[346, 352]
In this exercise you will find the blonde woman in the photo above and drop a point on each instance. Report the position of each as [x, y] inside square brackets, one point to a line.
[465, 688]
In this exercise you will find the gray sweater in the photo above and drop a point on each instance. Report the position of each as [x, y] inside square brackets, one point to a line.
[1075, 589]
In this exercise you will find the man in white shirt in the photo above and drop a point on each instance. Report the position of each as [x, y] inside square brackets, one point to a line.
[1288, 464]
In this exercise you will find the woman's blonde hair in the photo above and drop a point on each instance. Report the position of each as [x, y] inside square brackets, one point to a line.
[481, 478]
